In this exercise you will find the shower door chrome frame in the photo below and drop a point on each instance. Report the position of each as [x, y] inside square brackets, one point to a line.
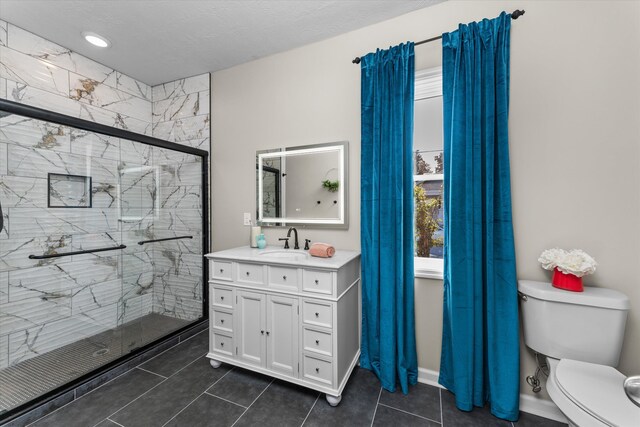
[10, 107]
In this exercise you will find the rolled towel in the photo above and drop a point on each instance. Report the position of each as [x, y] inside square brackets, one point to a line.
[322, 250]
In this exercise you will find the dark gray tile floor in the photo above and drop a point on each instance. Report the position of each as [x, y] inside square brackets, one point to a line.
[179, 388]
[33, 377]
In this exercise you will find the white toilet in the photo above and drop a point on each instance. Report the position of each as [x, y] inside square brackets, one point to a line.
[581, 335]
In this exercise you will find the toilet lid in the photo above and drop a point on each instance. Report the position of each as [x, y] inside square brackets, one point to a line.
[597, 390]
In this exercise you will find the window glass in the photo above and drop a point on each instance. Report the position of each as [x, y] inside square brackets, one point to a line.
[428, 176]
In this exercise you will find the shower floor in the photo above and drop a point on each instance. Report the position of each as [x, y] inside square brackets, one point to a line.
[27, 380]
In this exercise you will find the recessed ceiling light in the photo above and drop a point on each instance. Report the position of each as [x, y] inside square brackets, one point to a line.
[95, 39]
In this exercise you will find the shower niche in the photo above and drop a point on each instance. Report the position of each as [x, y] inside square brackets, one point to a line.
[68, 191]
[101, 249]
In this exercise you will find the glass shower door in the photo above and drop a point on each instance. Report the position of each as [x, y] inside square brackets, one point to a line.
[100, 251]
[161, 221]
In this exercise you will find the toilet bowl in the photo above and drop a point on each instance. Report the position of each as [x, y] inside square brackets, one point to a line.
[590, 395]
[581, 336]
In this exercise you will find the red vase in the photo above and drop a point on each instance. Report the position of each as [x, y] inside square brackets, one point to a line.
[568, 282]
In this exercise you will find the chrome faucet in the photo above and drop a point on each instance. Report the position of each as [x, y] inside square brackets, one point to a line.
[295, 233]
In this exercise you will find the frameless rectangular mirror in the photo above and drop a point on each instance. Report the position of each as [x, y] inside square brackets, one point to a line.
[304, 185]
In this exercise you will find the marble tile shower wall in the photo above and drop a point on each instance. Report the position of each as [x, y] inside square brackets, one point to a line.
[37, 72]
[138, 192]
[181, 115]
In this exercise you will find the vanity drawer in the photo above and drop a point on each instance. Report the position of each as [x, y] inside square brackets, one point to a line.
[250, 273]
[317, 370]
[318, 341]
[222, 320]
[317, 281]
[222, 297]
[317, 313]
[222, 344]
[221, 270]
[283, 277]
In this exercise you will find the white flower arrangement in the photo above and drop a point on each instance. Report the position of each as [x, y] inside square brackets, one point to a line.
[575, 261]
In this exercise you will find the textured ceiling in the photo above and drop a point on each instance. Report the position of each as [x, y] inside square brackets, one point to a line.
[159, 41]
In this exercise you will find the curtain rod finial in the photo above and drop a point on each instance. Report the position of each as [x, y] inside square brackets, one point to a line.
[517, 13]
[356, 60]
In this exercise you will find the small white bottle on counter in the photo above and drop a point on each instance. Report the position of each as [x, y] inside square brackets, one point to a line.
[255, 232]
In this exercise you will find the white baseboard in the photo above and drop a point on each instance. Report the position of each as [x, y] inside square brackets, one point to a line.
[530, 404]
[541, 407]
[427, 376]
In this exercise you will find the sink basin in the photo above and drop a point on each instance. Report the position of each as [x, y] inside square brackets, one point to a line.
[286, 255]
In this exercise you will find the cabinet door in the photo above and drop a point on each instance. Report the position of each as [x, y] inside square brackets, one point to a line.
[251, 338]
[282, 335]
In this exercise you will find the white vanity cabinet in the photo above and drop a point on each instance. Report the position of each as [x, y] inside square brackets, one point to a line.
[287, 315]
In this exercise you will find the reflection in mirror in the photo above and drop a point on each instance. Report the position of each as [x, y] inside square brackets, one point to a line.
[303, 185]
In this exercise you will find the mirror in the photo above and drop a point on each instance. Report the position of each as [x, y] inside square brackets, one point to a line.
[304, 185]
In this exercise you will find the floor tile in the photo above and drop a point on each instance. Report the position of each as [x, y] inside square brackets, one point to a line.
[530, 420]
[479, 417]
[240, 386]
[41, 410]
[208, 410]
[386, 416]
[282, 404]
[163, 402]
[194, 330]
[102, 402]
[358, 403]
[423, 400]
[176, 358]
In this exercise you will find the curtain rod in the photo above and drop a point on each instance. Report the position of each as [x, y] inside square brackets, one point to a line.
[514, 15]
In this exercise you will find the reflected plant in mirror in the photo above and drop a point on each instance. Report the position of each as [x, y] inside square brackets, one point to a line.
[303, 185]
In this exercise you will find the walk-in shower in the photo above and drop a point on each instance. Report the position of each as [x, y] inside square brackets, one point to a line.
[101, 248]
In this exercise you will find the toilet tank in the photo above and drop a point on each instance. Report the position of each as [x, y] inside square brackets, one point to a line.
[586, 326]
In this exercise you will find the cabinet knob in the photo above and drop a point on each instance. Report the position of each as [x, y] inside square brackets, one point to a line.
[221, 298]
[284, 277]
[248, 273]
[221, 320]
[222, 270]
[317, 281]
[317, 342]
[317, 314]
[267, 332]
[317, 370]
[262, 332]
[221, 344]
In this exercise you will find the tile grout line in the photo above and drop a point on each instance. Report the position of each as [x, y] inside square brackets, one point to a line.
[111, 415]
[197, 397]
[110, 420]
[407, 412]
[254, 401]
[173, 346]
[222, 398]
[310, 410]
[86, 394]
[376, 410]
[143, 394]
[112, 379]
[146, 370]
[441, 413]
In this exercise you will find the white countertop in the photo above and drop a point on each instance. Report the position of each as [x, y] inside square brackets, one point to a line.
[246, 253]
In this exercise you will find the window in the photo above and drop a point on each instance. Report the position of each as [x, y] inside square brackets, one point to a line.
[428, 174]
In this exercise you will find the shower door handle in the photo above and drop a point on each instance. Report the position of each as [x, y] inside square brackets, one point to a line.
[1, 218]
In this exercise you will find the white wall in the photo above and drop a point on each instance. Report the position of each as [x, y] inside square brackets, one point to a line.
[574, 127]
